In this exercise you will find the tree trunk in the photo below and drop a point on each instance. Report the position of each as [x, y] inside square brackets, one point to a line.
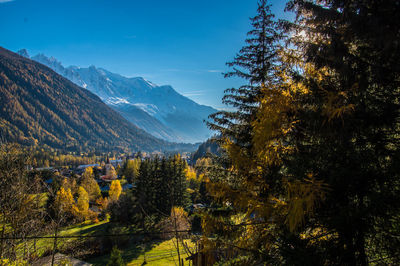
[2, 241]
[360, 247]
[54, 246]
[176, 236]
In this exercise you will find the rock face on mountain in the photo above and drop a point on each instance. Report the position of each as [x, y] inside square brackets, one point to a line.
[38, 106]
[165, 113]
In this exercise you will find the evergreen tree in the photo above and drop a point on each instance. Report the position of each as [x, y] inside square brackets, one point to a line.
[255, 63]
[319, 184]
[162, 184]
[241, 190]
[348, 124]
[143, 187]
[163, 200]
[116, 258]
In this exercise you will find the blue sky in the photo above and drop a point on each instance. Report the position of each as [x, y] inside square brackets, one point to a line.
[183, 43]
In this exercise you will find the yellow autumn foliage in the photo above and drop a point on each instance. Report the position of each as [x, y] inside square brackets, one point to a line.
[115, 190]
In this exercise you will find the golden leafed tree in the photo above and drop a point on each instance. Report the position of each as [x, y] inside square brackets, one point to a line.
[115, 190]
[83, 202]
[90, 185]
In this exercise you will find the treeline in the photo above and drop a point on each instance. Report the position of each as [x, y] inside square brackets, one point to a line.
[41, 157]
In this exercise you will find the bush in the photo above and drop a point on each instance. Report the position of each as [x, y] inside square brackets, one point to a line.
[116, 258]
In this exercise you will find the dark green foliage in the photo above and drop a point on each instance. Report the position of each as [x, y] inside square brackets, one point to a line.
[345, 134]
[161, 185]
[356, 154]
[116, 258]
[125, 210]
[39, 107]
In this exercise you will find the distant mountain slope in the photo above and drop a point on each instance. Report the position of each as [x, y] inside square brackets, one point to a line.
[208, 147]
[146, 122]
[179, 118]
[38, 106]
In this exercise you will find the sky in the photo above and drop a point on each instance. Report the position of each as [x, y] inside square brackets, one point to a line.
[182, 43]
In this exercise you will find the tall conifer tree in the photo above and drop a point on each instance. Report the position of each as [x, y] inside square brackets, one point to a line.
[255, 64]
[318, 183]
[348, 129]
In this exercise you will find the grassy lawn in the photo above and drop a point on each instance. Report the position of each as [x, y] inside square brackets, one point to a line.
[154, 253]
[46, 244]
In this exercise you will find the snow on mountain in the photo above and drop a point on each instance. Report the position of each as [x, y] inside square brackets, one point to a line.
[178, 118]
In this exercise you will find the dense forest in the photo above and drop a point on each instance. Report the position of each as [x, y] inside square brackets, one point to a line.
[304, 169]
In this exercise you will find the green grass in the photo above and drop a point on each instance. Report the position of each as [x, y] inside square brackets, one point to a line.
[154, 253]
[43, 245]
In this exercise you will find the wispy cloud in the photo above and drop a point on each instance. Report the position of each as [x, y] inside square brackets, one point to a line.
[180, 70]
[192, 70]
[127, 36]
[5, 1]
[193, 93]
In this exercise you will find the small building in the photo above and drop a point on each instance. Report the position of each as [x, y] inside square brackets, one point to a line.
[115, 163]
[81, 168]
[127, 187]
[44, 169]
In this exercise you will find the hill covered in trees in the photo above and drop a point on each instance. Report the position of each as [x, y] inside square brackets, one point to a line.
[159, 110]
[40, 107]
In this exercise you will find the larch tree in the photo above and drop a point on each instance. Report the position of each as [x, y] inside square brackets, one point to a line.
[115, 190]
[83, 202]
[131, 169]
[90, 185]
[65, 203]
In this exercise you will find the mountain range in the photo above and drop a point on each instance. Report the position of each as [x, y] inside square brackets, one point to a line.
[159, 110]
[40, 107]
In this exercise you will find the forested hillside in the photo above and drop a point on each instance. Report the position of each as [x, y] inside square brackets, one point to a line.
[159, 110]
[41, 107]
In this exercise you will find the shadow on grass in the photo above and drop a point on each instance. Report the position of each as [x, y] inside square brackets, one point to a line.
[131, 246]
[96, 229]
[129, 252]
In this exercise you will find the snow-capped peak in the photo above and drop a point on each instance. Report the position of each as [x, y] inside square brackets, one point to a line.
[153, 85]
